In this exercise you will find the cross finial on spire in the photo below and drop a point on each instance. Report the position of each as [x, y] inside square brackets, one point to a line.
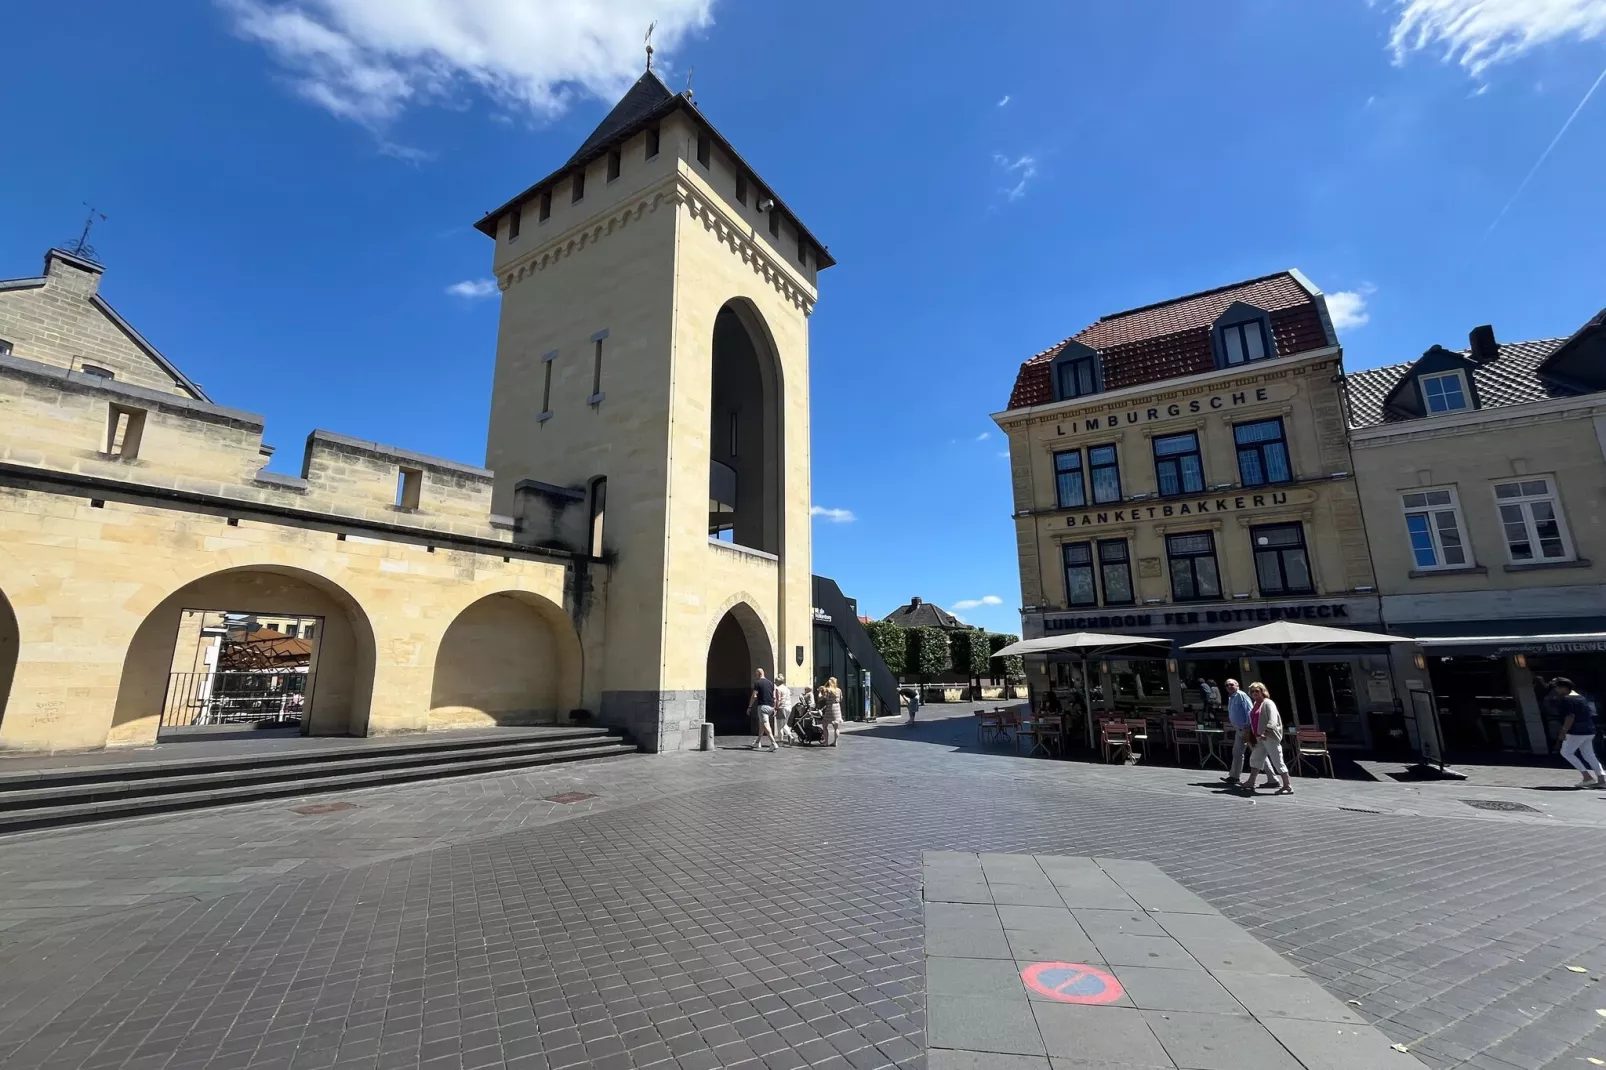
[650, 27]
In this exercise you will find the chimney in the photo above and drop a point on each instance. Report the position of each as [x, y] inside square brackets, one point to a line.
[74, 273]
[1484, 347]
[913, 602]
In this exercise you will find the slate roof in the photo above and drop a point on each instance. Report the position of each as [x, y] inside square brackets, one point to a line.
[1512, 378]
[1172, 338]
[920, 613]
[646, 102]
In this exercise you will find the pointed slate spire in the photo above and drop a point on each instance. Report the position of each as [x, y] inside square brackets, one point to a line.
[645, 97]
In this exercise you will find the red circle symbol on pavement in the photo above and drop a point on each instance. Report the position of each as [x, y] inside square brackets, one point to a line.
[1072, 982]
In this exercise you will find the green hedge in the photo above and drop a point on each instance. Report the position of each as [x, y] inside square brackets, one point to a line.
[891, 643]
[1014, 666]
[928, 653]
[970, 654]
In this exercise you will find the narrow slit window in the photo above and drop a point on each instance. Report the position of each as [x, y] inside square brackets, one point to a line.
[599, 504]
[409, 487]
[613, 165]
[513, 220]
[546, 205]
[125, 428]
[579, 187]
[652, 142]
[741, 189]
[546, 386]
[705, 149]
[596, 370]
[775, 223]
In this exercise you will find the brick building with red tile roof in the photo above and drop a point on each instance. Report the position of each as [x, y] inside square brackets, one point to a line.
[1181, 470]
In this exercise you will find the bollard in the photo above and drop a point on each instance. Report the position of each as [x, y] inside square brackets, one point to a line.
[708, 736]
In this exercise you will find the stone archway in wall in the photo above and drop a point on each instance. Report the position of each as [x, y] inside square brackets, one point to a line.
[10, 643]
[740, 644]
[511, 658]
[173, 686]
[745, 435]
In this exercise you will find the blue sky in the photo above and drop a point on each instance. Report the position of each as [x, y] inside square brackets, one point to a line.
[290, 189]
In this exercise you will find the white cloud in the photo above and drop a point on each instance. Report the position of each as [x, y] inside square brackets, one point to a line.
[1004, 101]
[973, 603]
[1348, 307]
[984, 436]
[1481, 33]
[1004, 454]
[1020, 171]
[835, 516]
[369, 60]
[473, 289]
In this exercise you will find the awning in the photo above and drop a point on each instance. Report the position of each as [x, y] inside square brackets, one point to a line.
[1284, 636]
[1561, 643]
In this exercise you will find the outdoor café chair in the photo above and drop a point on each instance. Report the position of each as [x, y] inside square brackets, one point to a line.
[1185, 733]
[1138, 733]
[1310, 745]
[1113, 736]
[1030, 728]
[988, 727]
[1052, 730]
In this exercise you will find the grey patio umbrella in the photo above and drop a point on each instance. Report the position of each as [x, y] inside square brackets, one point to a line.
[1086, 644]
[1287, 638]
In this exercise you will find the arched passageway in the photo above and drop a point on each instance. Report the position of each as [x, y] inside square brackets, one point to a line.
[218, 655]
[10, 642]
[744, 481]
[739, 646]
[509, 658]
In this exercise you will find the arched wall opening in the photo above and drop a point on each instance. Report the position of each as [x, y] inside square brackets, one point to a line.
[10, 643]
[744, 481]
[173, 685]
[510, 658]
[739, 645]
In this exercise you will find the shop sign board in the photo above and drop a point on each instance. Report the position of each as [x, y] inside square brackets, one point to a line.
[1338, 612]
[1581, 646]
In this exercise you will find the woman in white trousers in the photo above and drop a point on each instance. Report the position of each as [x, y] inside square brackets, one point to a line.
[1266, 729]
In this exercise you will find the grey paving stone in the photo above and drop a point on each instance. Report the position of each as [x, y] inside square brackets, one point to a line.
[1101, 923]
[968, 943]
[1040, 895]
[1095, 891]
[991, 978]
[1270, 996]
[945, 1059]
[1098, 1036]
[1176, 990]
[940, 888]
[1152, 888]
[991, 1025]
[1028, 917]
[1067, 944]
[1158, 951]
[1336, 1046]
[1218, 1042]
[1240, 956]
[1199, 928]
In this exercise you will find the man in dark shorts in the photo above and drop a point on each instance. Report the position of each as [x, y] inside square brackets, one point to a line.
[762, 702]
[1578, 732]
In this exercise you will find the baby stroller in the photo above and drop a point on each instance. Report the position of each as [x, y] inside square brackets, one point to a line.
[806, 724]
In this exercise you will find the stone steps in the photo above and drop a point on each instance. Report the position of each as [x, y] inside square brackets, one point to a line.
[40, 797]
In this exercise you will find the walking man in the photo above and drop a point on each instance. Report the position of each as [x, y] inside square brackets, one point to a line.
[783, 705]
[1238, 707]
[1578, 732]
[762, 703]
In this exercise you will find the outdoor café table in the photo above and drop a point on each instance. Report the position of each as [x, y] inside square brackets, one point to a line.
[1212, 736]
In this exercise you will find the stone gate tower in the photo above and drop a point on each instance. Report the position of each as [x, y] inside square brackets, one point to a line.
[652, 384]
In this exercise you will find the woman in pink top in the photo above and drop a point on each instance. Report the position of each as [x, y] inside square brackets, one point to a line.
[1266, 730]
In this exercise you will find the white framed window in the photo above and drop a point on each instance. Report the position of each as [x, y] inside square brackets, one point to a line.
[1444, 392]
[1530, 516]
[1434, 526]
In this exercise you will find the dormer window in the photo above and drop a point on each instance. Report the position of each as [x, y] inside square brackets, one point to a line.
[1076, 372]
[1244, 342]
[1243, 336]
[1444, 392]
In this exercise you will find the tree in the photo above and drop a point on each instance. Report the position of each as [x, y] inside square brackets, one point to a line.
[1012, 667]
[891, 643]
[928, 653]
[971, 655]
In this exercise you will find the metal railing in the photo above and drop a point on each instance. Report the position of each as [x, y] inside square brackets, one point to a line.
[233, 698]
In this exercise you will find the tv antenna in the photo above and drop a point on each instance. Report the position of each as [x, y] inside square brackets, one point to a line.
[81, 248]
[689, 72]
[650, 27]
